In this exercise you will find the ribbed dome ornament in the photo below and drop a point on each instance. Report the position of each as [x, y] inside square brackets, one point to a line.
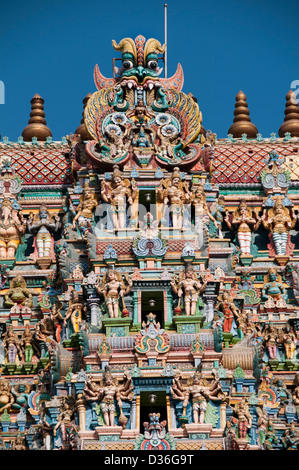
[291, 120]
[81, 129]
[242, 123]
[37, 125]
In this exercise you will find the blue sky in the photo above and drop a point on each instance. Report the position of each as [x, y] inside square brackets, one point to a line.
[51, 48]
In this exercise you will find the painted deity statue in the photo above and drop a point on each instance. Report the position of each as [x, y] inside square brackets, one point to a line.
[119, 193]
[12, 345]
[113, 288]
[43, 225]
[243, 219]
[187, 286]
[28, 344]
[67, 425]
[140, 117]
[6, 396]
[109, 393]
[175, 194]
[18, 293]
[279, 221]
[83, 219]
[74, 312]
[225, 304]
[273, 291]
[289, 340]
[270, 341]
[241, 410]
[203, 215]
[217, 210]
[199, 391]
[12, 228]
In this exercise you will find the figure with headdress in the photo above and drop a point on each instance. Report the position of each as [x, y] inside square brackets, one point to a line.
[242, 220]
[12, 228]
[273, 291]
[113, 288]
[83, 219]
[217, 210]
[225, 304]
[187, 286]
[199, 390]
[18, 293]
[28, 344]
[109, 392]
[119, 193]
[74, 312]
[43, 225]
[203, 215]
[241, 410]
[174, 193]
[279, 221]
[66, 424]
[270, 341]
[289, 340]
[12, 345]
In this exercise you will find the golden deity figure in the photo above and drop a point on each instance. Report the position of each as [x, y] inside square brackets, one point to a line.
[113, 288]
[187, 286]
[43, 224]
[175, 194]
[110, 392]
[203, 215]
[119, 193]
[12, 228]
[74, 312]
[244, 220]
[199, 391]
[18, 293]
[244, 418]
[84, 212]
[279, 221]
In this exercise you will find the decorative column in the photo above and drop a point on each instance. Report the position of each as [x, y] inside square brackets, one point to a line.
[222, 415]
[81, 406]
[210, 301]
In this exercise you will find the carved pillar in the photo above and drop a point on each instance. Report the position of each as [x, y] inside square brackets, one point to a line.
[82, 412]
[222, 415]
[210, 301]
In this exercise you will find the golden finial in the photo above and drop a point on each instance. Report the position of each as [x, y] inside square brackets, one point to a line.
[81, 129]
[291, 120]
[37, 125]
[242, 123]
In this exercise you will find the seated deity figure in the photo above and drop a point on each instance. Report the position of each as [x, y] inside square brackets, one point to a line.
[119, 193]
[279, 221]
[12, 228]
[187, 286]
[6, 396]
[43, 224]
[18, 293]
[113, 289]
[83, 219]
[174, 193]
[243, 219]
[273, 290]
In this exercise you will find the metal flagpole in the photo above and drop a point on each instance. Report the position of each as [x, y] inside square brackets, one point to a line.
[165, 40]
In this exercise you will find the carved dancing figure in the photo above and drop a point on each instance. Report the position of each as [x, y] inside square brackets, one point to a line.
[203, 215]
[67, 425]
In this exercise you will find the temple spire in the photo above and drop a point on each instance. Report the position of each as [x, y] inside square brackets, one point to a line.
[81, 129]
[242, 123]
[291, 120]
[37, 125]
